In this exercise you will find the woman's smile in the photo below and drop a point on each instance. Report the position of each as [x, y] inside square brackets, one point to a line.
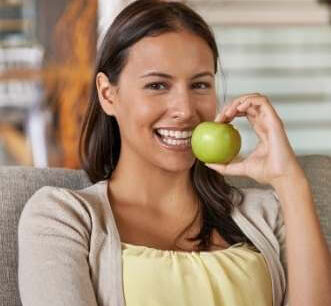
[174, 140]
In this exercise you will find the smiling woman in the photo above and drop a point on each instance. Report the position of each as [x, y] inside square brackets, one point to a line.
[155, 214]
[153, 86]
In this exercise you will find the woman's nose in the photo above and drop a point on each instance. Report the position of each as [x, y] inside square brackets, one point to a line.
[183, 106]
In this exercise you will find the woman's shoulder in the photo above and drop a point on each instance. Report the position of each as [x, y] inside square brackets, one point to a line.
[77, 207]
[260, 206]
[259, 199]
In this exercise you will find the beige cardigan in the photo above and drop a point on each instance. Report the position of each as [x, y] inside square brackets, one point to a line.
[70, 250]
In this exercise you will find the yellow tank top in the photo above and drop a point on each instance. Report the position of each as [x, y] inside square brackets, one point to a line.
[236, 276]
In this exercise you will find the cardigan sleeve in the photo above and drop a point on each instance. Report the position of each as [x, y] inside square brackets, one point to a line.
[280, 235]
[53, 249]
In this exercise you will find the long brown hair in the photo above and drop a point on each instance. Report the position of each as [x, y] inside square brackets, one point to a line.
[100, 142]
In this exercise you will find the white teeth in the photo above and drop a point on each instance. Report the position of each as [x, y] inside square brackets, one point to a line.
[187, 134]
[175, 134]
[183, 138]
[176, 142]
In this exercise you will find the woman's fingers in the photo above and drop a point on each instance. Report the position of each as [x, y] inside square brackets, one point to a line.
[229, 111]
[256, 115]
[236, 168]
[232, 110]
[245, 105]
[258, 111]
[255, 106]
[221, 117]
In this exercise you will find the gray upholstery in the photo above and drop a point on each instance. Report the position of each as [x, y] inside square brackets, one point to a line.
[17, 184]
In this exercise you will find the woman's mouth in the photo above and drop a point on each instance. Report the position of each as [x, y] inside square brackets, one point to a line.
[174, 140]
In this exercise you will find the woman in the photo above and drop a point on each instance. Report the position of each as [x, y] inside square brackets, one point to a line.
[158, 227]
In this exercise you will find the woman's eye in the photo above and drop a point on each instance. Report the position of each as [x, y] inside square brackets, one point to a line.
[201, 85]
[156, 86]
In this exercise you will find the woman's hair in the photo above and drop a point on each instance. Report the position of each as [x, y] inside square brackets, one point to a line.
[100, 142]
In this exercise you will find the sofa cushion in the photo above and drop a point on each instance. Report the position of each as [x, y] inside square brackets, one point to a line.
[17, 184]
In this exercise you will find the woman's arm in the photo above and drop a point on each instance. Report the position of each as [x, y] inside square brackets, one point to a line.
[53, 248]
[274, 162]
[308, 259]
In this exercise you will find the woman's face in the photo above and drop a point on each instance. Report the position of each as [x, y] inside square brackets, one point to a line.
[167, 87]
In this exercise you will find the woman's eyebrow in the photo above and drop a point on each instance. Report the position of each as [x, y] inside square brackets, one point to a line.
[168, 76]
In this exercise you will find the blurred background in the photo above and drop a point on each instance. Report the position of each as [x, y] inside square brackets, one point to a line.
[280, 48]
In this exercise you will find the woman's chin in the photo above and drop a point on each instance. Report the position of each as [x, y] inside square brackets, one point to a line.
[178, 165]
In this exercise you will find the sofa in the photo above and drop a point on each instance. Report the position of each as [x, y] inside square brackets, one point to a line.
[17, 184]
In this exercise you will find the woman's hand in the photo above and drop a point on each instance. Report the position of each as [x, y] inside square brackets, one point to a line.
[273, 159]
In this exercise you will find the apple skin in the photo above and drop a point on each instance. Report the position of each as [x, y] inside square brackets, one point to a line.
[214, 142]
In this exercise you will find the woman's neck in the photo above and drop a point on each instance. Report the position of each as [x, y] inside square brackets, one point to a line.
[152, 188]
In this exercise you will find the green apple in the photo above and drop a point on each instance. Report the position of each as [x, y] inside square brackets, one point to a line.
[214, 142]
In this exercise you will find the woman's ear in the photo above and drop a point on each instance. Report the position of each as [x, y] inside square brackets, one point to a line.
[107, 93]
